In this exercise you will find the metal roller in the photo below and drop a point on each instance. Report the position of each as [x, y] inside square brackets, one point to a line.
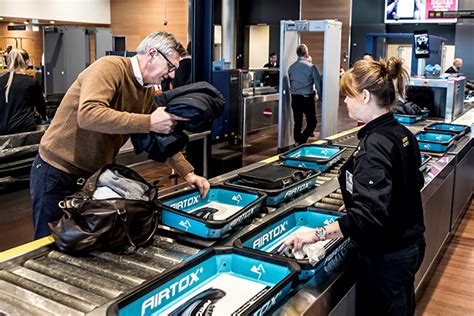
[330, 207]
[167, 258]
[320, 181]
[61, 286]
[47, 292]
[61, 274]
[325, 178]
[112, 273]
[339, 191]
[163, 243]
[87, 275]
[332, 201]
[13, 306]
[131, 262]
[334, 172]
[24, 298]
[336, 196]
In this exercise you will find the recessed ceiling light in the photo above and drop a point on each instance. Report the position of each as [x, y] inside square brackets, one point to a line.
[52, 22]
[26, 22]
[1, 19]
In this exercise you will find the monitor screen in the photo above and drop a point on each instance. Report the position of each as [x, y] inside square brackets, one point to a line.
[421, 44]
[417, 11]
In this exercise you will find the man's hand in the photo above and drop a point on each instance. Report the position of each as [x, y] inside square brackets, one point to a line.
[197, 181]
[298, 240]
[163, 122]
[342, 208]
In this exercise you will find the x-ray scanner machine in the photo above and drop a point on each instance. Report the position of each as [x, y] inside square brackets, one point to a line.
[289, 40]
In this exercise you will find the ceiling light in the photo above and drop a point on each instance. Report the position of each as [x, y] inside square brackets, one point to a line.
[26, 22]
[52, 22]
[1, 19]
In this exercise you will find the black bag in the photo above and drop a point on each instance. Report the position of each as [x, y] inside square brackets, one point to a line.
[113, 223]
[272, 176]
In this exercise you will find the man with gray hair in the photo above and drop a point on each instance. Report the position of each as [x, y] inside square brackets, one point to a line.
[109, 100]
[456, 67]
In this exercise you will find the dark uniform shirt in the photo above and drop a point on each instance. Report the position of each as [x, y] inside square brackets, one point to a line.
[24, 96]
[381, 185]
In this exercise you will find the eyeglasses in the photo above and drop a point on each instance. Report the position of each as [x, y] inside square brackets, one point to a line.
[171, 66]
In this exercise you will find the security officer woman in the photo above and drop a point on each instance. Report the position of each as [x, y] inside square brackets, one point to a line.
[381, 185]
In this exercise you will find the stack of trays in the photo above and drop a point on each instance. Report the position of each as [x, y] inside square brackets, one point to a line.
[223, 209]
[459, 130]
[302, 181]
[408, 119]
[316, 157]
[435, 142]
[223, 281]
[266, 239]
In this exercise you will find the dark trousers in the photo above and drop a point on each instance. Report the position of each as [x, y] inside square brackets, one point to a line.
[48, 186]
[302, 104]
[386, 283]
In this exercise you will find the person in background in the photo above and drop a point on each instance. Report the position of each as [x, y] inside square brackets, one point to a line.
[8, 49]
[381, 185]
[183, 74]
[456, 67]
[20, 95]
[110, 99]
[368, 57]
[272, 61]
[303, 77]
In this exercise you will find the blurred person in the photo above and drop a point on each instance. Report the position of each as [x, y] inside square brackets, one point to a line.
[20, 95]
[272, 61]
[304, 77]
[456, 66]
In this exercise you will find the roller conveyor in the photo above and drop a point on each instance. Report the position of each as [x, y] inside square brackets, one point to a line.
[54, 283]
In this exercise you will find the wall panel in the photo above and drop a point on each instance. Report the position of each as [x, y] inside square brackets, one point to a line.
[136, 19]
[322, 10]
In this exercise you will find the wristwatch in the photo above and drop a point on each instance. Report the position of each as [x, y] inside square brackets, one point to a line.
[320, 232]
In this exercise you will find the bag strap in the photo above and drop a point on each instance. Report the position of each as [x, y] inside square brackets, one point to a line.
[122, 214]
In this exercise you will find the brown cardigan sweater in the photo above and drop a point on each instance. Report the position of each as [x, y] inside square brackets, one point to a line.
[101, 108]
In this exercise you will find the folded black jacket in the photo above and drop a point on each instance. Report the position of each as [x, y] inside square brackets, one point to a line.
[408, 108]
[200, 102]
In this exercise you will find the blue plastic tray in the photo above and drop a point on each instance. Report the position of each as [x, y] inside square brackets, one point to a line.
[176, 210]
[316, 157]
[408, 119]
[237, 282]
[266, 239]
[278, 196]
[434, 142]
[459, 130]
[424, 161]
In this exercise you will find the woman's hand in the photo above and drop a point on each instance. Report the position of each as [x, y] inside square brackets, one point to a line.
[297, 240]
[198, 182]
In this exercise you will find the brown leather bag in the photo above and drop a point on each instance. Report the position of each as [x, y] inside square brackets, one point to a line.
[108, 224]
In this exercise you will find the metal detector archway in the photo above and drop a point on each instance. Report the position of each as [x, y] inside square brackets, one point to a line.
[289, 40]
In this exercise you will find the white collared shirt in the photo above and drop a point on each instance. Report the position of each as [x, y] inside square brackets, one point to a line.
[136, 70]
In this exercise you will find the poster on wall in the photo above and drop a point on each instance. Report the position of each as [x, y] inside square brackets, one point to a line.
[417, 11]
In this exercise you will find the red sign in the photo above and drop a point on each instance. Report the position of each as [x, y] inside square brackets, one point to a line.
[267, 112]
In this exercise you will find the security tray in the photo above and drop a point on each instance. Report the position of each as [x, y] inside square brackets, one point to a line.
[222, 281]
[438, 142]
[317, 157]
[408, 119]
[459, 130]
[266, 239]
[223, 209]
[277, 196]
